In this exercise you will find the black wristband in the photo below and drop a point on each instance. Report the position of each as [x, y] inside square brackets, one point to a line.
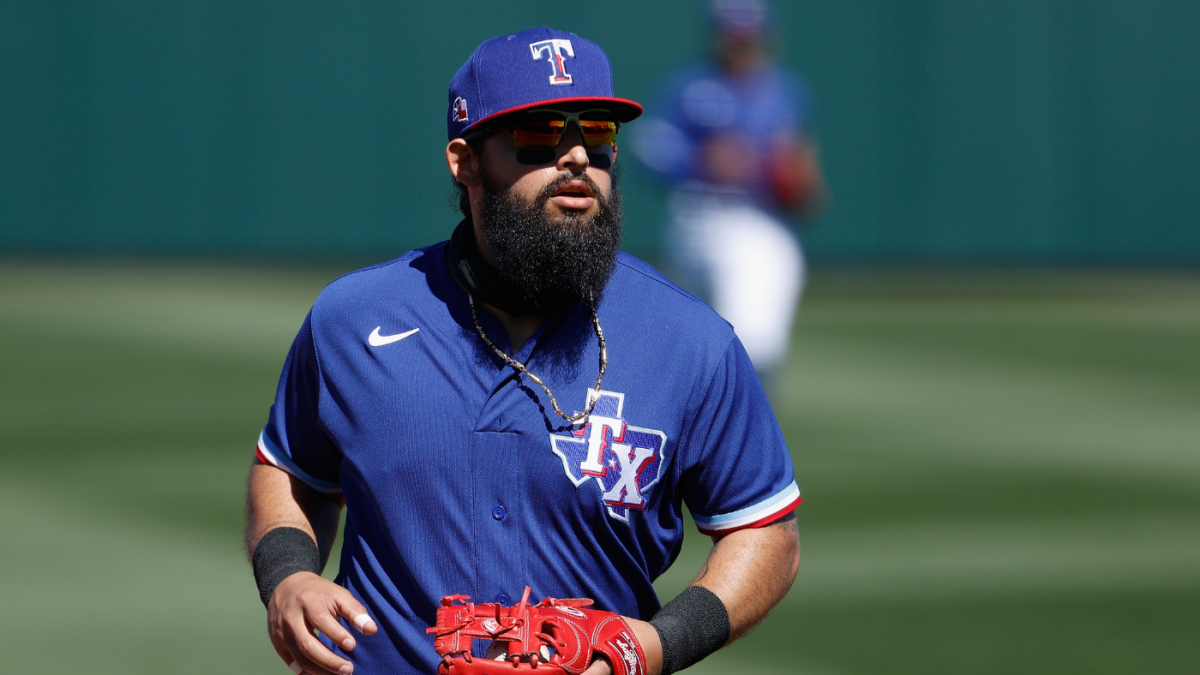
[690, 627]
[281, 553]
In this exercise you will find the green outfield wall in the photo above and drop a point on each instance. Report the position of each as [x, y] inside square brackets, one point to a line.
[1050, 130]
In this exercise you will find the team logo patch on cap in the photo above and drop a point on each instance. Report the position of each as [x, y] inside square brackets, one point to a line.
[555, 51]
[624, 460]
[459, 110]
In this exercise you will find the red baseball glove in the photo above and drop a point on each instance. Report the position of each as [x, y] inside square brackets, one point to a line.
[553, 635]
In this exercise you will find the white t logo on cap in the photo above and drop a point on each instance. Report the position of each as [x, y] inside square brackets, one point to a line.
[554, 51]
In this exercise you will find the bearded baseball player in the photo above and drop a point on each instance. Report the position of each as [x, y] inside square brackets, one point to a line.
[514, 420]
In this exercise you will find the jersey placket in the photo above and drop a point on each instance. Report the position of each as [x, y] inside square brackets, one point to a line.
[498, 468]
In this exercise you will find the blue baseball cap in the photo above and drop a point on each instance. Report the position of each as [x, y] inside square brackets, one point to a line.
[533, 68]
[740, 17]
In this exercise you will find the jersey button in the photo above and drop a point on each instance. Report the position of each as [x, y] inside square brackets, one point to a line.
[498, 512]
[503, 599]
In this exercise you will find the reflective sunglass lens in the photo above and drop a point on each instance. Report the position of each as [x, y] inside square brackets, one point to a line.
[550, 132]
[541, 133]
[598, 133]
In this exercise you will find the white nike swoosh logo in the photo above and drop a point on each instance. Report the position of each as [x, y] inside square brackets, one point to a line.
[377, 340]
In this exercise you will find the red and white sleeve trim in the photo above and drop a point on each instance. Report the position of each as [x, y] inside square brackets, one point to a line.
[269, 454]
[762, 513]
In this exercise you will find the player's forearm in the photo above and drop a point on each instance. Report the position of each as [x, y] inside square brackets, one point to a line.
[275, 499]
[750, 571]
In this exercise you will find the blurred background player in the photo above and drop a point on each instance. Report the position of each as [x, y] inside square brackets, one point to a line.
[732, 137]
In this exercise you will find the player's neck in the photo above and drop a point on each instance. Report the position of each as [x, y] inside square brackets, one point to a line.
[474, 270]
[739, 65]
[519, 328]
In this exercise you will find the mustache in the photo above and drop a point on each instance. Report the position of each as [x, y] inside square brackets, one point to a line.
[562, 179]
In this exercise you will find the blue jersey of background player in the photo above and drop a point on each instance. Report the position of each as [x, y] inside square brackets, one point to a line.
[737, 123]
[409, 396]
[720, 131]
[732, 137]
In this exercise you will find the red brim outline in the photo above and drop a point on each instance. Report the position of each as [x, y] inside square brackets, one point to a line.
[625, 109]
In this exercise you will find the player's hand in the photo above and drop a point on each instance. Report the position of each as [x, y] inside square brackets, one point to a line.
[304, 602]
[647, 637]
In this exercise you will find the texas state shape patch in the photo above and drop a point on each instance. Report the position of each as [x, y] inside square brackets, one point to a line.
[623, 459]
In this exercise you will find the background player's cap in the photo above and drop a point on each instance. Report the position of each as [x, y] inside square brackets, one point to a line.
[533, 68]
[742, 17]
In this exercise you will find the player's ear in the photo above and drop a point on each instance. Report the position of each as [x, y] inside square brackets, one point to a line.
[463, 162]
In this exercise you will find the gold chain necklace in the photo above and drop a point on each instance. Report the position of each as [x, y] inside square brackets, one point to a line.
[520, 367]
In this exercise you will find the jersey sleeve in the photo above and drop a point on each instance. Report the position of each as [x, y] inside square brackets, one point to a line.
[737, 471]
[663, 140]
[294, 439]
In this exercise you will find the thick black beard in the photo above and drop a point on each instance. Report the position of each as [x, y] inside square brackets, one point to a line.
[551, 264]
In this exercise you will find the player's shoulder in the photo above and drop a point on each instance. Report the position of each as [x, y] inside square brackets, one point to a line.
[683, 77]
[643, 292]
[402, 280]
[631, 264]
[697, 70]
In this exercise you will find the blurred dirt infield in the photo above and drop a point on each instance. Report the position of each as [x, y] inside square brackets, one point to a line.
[1000, 470]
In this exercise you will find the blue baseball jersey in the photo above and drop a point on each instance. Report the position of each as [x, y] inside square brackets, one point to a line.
[701, 100]
[458, 477]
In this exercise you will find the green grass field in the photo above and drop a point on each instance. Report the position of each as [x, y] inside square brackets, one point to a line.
[1001, 471]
